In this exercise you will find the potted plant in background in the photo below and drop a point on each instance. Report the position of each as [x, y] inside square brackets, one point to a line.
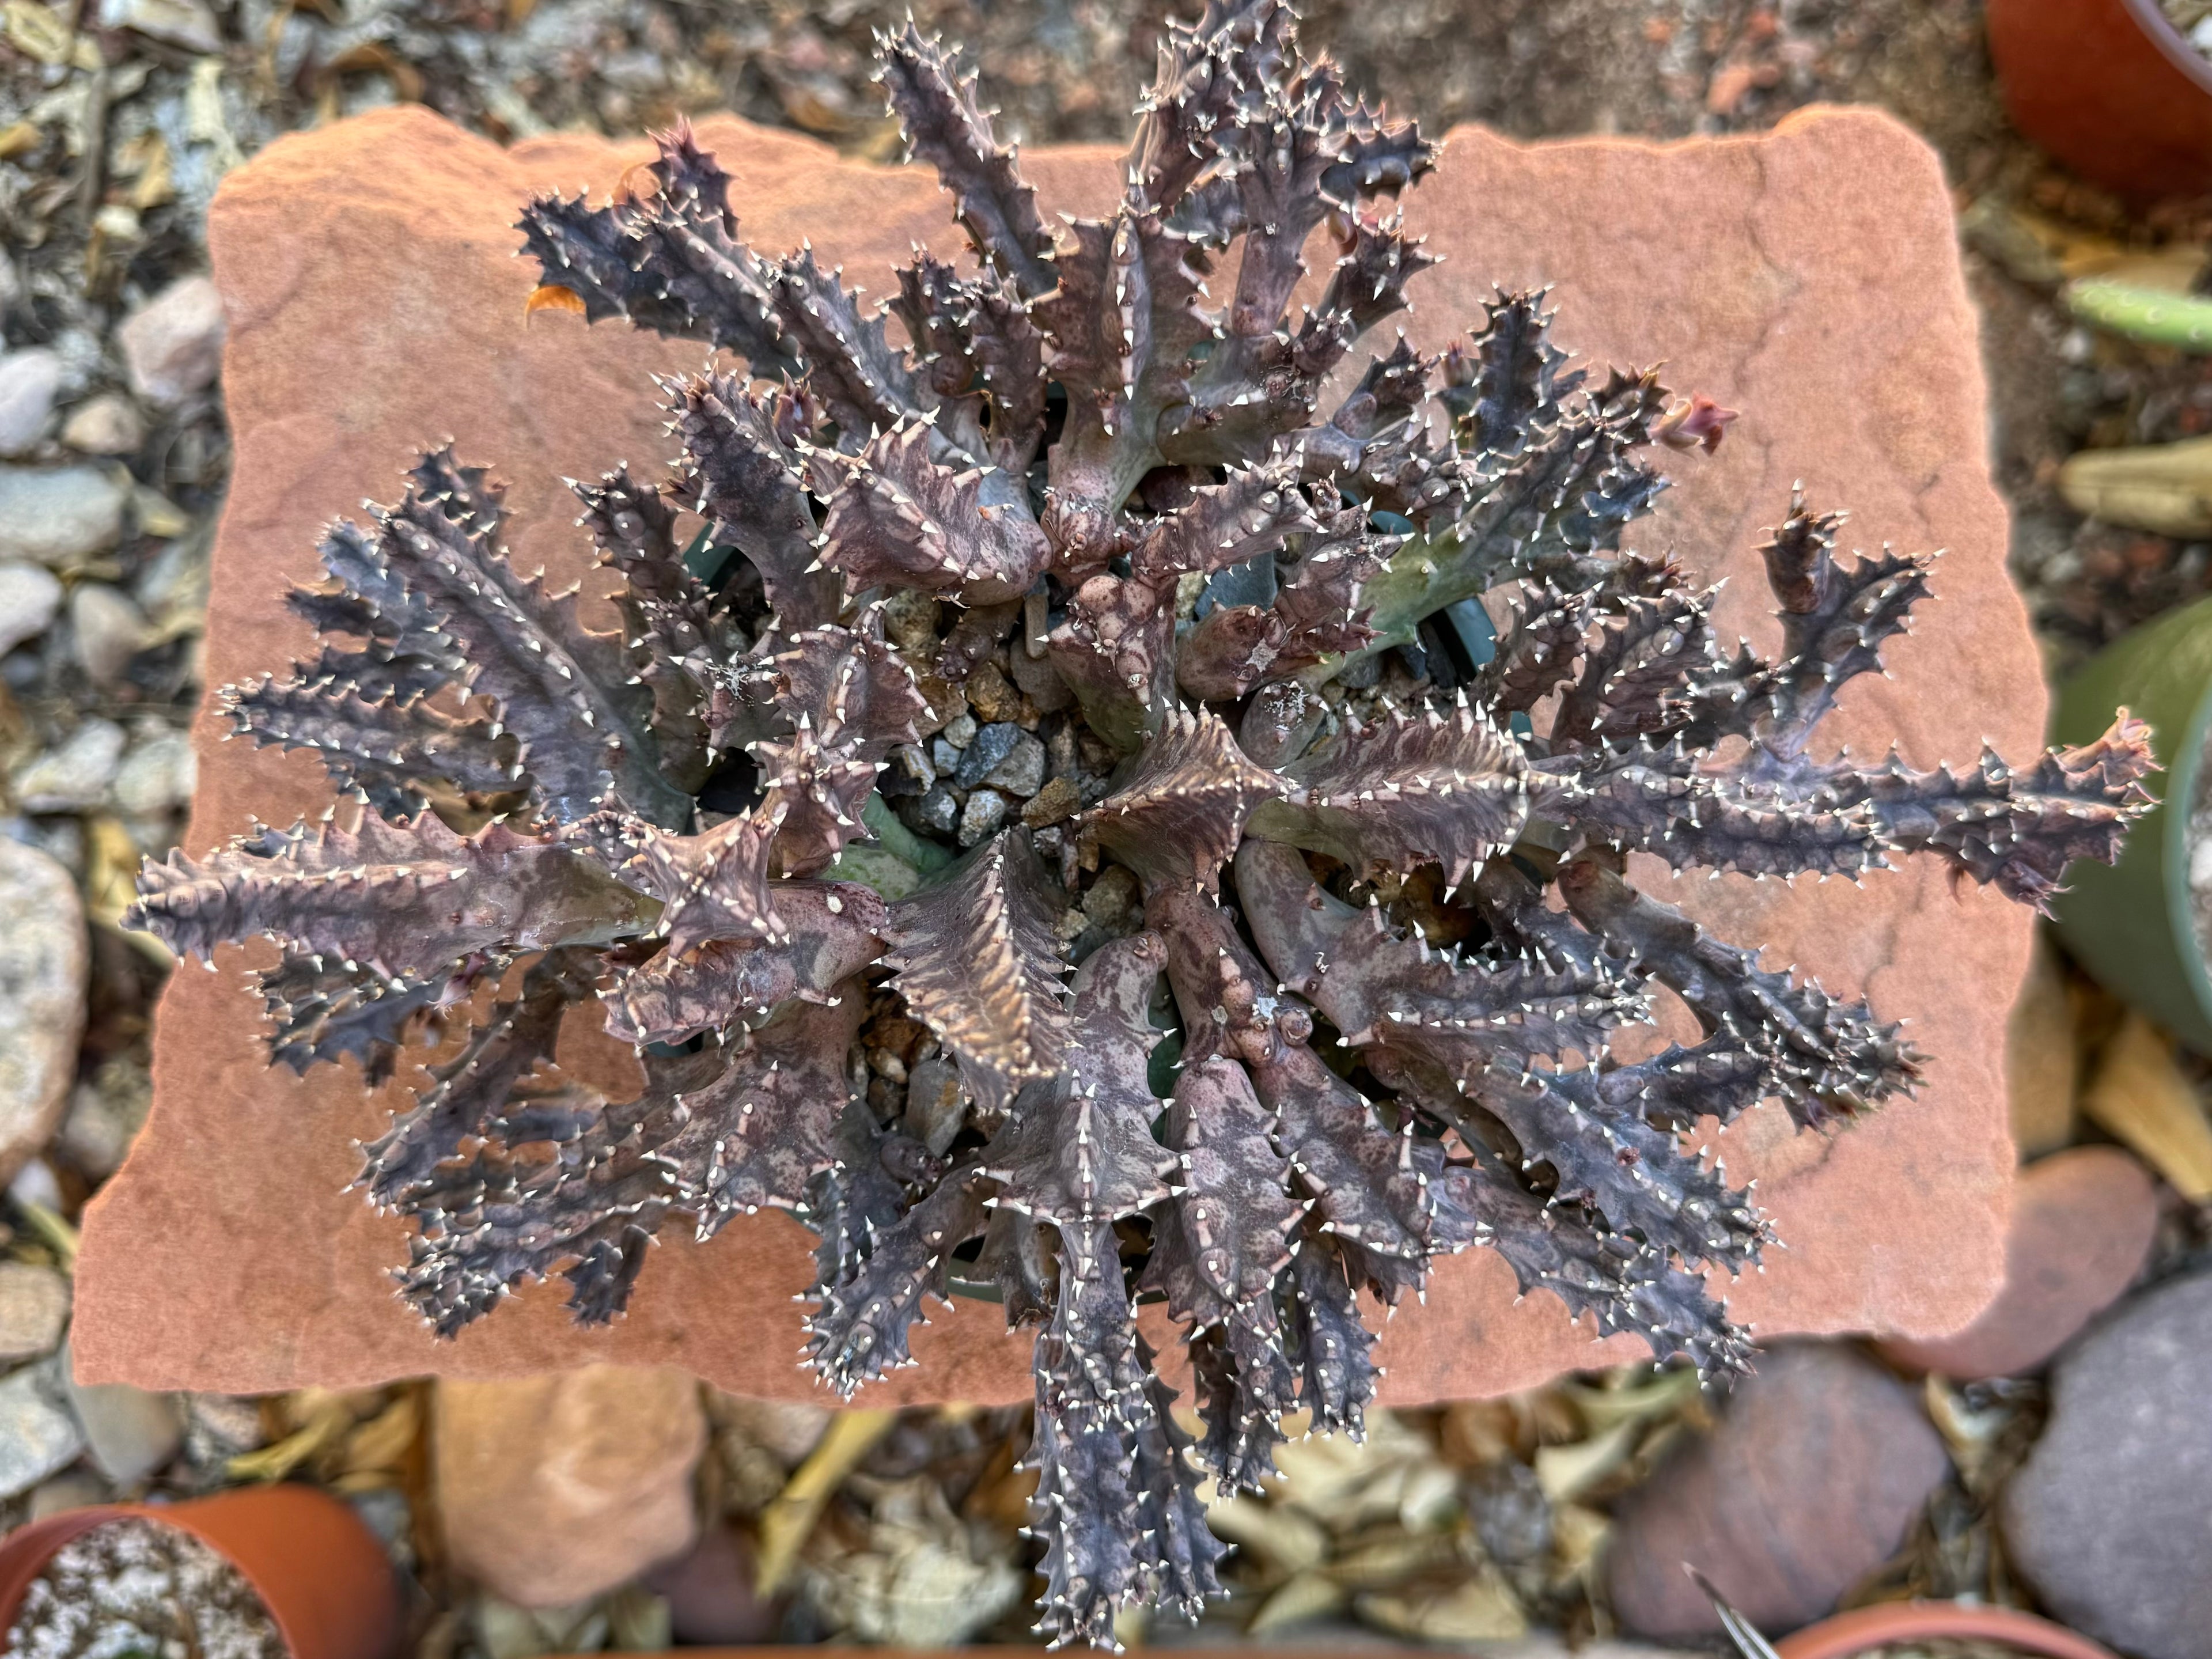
[286, 1566]
[2114, 88]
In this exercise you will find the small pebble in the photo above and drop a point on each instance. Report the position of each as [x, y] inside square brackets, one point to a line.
[109, 424]
[1113, 899]
[220, 1426]
[130, 1433]
[990, 695]
[908, 772]
[2083, 1221]
[960, 730]
[938, 810]
[37, 1436]
[936, 1105]
[108, 630]
[1055, 802]
[710, 1592]
[29, 382]
[73, 1489]
[990, 745]
[942, 757]
[185, 23]
[34, 1304]
[1021, 773]
[98, 1129]
[52, 515]
[173, 344]
[30, 598]
[157, 776]
[980, 820]
[45, 956]
[76, 774]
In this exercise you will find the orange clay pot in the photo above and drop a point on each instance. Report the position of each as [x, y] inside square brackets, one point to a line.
[1854, 1632]
[322, 1575]
[2111, 89]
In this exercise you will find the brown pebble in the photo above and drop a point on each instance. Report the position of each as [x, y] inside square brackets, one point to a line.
[1057, 800]
[992, 694]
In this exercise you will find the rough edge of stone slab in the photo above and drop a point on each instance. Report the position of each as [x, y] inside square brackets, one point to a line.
[1923, 1261]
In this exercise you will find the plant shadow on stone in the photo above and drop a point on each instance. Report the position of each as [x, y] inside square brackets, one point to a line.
[1136, 530]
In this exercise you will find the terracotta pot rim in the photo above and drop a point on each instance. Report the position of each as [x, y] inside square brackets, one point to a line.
[1847, 1634]
[46, 1538]
[330, 1596]
[2158, 29]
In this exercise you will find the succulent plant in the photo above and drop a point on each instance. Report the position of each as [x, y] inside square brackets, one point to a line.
[1093, 621]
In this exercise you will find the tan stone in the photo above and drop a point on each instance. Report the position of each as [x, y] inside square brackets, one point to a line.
[2043, 1059]
[554, 1488]
[45, 955]
[1809, 278]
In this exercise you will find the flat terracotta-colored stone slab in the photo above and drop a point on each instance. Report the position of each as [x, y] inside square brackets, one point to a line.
[1807, 278]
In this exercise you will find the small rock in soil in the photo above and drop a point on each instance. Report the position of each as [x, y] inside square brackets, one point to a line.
[936, 1105]
[37, 1436]
[990, 695]
[990, 745]
[52, 515]
[2110, 1517]
[108, 630]
[29, 382]
[1512, 1515]
[908, 772]
[76, 774]
[1113, 902]
[709, 1592]
[787, 1429]
[2083, 1222]
[959, 731]
[44, 956]
[938, 810]
[130, 1432]
[1041, 683]
[555, 1488]
[1021, 773]
[157, 776]
[1056, 801]
[109, 424]
[981, 818]
[34, 1304]
[1815, 1471]
[219, 1427]
[138, 1588]
[30, 598]
[104, 1117]
[173, 344]
[184, 23]
[72, 1489]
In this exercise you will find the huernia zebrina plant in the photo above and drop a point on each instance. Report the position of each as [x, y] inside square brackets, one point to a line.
[1103, 615]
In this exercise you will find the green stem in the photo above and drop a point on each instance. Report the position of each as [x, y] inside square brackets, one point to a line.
[2155, 315]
